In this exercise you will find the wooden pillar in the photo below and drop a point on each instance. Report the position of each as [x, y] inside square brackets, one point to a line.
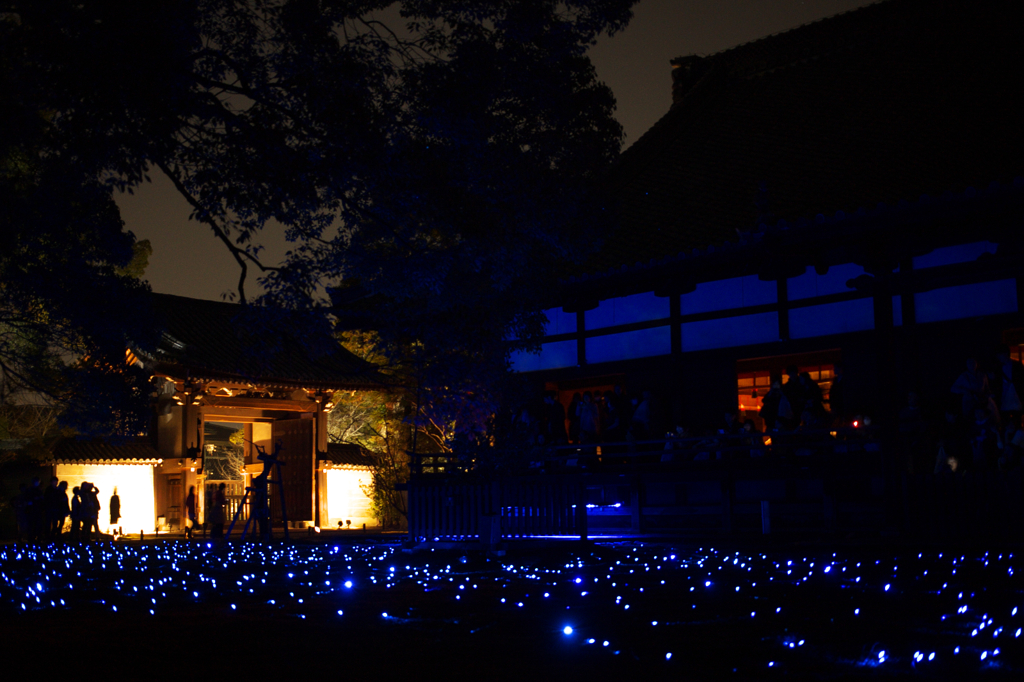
[581, 507]
[782, 294]
[319, 476]
[884, 356]
[581, 343]
[678, 405]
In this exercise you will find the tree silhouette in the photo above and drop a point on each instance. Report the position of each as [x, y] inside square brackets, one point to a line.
[431, 165]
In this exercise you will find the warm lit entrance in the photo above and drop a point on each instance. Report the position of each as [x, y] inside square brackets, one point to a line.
[134, 484]
[348, 502]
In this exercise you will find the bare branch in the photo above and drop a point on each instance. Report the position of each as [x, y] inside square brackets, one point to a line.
[240, 255]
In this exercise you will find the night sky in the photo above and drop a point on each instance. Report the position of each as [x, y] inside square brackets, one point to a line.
[188, 261]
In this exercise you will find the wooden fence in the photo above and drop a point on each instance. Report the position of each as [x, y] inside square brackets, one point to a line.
[516, 507]
[820, 485]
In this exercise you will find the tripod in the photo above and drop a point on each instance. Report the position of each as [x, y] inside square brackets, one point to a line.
[259, 492]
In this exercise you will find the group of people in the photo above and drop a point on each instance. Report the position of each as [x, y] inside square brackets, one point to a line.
[981, 426]
[800, 402]
[592, 417]
[43, 514]
[216, 511]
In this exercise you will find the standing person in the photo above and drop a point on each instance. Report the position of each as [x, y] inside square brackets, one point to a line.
[63, 510]
[618, 415]
[973, 389]
[812, 396]
[770, 405]
[51, 508]
[217, 515]
[94, 517]
[555, 420]
[89, 509]
[589, 416]
[574, 418]
[793, 392]
[641, 420]
[115, 510]
[1009, 386]
[190, 511]
[76, 514]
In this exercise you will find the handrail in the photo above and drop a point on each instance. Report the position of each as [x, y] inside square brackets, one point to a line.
[720, 447]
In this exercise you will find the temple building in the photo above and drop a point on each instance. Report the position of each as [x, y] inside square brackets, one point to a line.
[847, 192]
[221, 395]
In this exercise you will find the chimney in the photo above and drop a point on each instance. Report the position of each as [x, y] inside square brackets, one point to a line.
[686, 73]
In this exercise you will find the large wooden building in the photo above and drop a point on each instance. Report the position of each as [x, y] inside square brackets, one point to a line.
[848, 191]
[222, 390]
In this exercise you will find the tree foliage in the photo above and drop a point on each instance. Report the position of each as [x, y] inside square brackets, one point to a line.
[430, 162]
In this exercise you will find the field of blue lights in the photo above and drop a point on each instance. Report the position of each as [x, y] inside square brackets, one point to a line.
[599, 608]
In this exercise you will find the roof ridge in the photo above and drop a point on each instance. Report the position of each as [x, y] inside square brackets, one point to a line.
[717, 60]
[757, 42]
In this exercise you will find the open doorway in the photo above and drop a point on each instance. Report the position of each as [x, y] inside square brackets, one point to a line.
[569, 392]
[754, 377]
[224, 463]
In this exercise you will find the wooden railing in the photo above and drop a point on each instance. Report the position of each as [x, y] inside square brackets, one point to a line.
[234, 496]
[520, 506]
[821, 482]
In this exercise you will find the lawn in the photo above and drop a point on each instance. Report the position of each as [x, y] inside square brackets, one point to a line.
[170, 609]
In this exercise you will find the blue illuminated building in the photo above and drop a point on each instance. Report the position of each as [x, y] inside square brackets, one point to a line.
[850, 191]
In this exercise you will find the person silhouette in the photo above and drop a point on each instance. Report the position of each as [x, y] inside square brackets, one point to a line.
[115, 508]
[190, 511]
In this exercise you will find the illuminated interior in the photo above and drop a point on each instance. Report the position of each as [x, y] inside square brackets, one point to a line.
[754, 377]
[134, 483]
[346, 500]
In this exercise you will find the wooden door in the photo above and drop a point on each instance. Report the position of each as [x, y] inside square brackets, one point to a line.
[297, 457]
[176, 502]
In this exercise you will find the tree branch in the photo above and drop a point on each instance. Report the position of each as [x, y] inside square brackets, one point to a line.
[240, 255]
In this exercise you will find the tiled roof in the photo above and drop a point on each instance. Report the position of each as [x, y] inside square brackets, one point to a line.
[882, 104]
[348, 456]
[96, 451]
[216, 340]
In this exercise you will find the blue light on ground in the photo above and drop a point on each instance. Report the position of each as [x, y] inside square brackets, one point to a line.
[789, 610]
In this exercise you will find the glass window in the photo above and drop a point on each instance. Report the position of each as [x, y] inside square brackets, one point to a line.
[551, 356]
[948, 255]
[724, 294]
[811, 284]
[626, 345]
[967, 300]
[726, 332]
[832, 318]
[627, 309]
[559, 322]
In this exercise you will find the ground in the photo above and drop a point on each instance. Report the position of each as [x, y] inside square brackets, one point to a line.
[167, 609]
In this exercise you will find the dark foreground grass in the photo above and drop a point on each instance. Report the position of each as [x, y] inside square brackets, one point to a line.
[175, 610]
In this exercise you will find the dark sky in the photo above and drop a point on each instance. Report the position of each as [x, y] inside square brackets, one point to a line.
[188, 261]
